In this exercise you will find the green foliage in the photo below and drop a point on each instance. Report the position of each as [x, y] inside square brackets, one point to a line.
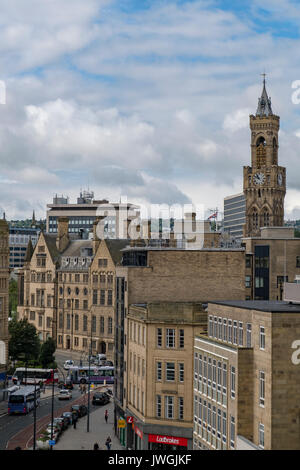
[297, 233]
[47, 353]
[13, 297]
[24, 342]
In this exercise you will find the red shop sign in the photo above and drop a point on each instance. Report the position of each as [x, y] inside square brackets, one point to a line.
[173, 441]
[138, 432]
[130, 419]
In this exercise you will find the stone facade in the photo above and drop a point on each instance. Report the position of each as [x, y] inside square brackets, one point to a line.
[255, 342]
[160, 370]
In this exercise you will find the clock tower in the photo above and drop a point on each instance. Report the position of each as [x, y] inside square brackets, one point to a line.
[264, 180]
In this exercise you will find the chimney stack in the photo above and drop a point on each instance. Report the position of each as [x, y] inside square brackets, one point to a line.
[62, 239]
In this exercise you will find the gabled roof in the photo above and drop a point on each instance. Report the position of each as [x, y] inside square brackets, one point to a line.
[264, 107]
[115, 247]
[29, 251]
[51, 244]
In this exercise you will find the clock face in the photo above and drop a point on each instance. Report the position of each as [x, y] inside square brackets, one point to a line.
[259, 178]
[280, 179]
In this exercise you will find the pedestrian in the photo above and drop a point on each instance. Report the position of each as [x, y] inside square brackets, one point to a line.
[96, 446]
[106, 415]
[74, 419]
[108, 442]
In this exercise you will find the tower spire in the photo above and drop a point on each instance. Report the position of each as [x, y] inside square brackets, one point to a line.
[264, 107]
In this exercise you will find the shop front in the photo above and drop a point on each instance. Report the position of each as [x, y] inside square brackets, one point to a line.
[161, 442]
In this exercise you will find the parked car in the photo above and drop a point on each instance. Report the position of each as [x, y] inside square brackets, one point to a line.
[56, 425]
[100, 398]
[80, 409]
[64, 422]
[68, 364]
[57, 429]
[68, 416]
[65, 394]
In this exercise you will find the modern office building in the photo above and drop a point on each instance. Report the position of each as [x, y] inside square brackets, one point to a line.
[234, 215]
[18, 241]
[84, 213]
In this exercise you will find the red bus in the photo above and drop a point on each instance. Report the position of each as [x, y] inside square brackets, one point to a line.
[30, 376]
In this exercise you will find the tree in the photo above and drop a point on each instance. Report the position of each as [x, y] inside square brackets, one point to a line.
[297, 233]
[13, 297]
[24, 342]
[47, 353]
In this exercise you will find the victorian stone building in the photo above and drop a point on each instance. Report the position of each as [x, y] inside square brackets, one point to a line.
[66, 289]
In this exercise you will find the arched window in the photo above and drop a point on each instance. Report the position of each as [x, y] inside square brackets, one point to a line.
[254, 219]
[266, 219]
[260, 152]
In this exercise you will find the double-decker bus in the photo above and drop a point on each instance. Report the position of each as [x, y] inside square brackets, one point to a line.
[22, 401]
[30, 376]
[92, 374]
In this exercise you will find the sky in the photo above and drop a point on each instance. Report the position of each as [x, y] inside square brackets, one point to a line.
[143, 99]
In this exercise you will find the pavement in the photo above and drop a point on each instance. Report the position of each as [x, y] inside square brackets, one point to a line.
[80, 439]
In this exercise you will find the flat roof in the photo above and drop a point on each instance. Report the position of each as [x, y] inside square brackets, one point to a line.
[261, 305]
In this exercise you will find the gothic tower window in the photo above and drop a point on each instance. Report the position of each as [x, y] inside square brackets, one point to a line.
[266, 219]
[261, 152]
[254, 219]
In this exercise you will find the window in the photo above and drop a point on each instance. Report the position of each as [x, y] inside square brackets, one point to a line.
[85, 321]
[241, 334]
[169, 407]
[110, 325]
[247, 281]
[224, 329]
[297, 261]
[170, 371]
[159, 337]
[102, 297]
[232, 431]
[215, 327]
[224, 379]
[219, 424]
[95, 294]
[232, 382]
[248, 261]
[102, 262]
[76, 322]
[261, 435]
[85, 304]
[180, 408]
[181, 372]
[262, 388]
[220, 328]
[109, 297]
[40, 320]
[229, 331]
[262, 337]
[158, 371]
[32, 316]
[94, 323]
[224, 427]
[214, 420]
[68, 321]
[181, 338]
[248, 335]
[170, 338]
[101, 324]
[259, 282]
[158, 406]
[235, 332]
[61, 320]
[210, 326]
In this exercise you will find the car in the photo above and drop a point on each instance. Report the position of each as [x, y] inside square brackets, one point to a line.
[68, 416]
[100, 398]
[54, 434]
[68, 364]
[65, 394]
[64, 422]
[57, 428]
[81, 410]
